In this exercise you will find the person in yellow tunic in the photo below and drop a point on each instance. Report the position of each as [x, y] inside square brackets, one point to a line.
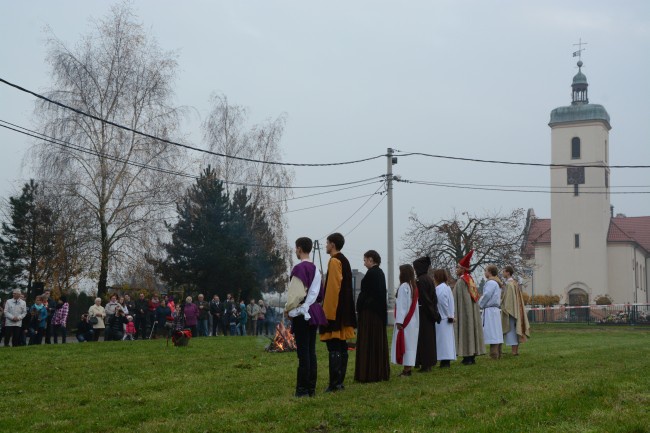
[338, 305]
[514, 320]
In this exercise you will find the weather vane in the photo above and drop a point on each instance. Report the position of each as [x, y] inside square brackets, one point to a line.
[578, 53]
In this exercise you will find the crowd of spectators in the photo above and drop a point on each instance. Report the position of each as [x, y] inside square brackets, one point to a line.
[122, 318]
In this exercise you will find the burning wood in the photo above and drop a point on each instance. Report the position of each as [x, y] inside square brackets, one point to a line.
[283, 340]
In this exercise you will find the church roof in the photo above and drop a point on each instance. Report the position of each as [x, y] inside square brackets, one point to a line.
[621, 229]
[539, 232]
[579, 113]
[630, 229]
[580, 109]
[580, 78]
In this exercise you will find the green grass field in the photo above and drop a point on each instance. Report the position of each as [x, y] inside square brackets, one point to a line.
[567, 379]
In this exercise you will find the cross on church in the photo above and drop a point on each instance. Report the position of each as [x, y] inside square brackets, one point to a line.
[578, 53]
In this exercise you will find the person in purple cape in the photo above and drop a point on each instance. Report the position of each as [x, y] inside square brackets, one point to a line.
[306, 314]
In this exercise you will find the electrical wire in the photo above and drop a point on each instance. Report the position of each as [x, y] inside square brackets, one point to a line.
[334, 202]
[367, 215]
[514, 189]
[533, 164]
[538, 186]
[186, 146]
[402, 153]
[70, 146]
[329, 192]
[353, 214]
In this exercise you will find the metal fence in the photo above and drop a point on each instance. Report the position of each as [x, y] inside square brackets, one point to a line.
[615, 314]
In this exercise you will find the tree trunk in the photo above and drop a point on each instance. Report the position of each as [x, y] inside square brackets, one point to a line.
[103, 270]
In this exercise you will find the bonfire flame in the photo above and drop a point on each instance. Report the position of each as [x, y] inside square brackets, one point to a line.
[283, 340]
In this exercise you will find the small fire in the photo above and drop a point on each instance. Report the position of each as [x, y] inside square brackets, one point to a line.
[283, 340]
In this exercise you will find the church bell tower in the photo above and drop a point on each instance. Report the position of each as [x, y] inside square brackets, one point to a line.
[580, 202]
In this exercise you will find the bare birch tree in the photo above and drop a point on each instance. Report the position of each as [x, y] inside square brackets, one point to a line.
[226, 131]
[495, 237]
[118, 73]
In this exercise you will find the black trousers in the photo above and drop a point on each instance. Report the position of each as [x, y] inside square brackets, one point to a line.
[141, 325]
[217, 324]
[305, 336]
[49, 330]
[13, 333]
[336, 345]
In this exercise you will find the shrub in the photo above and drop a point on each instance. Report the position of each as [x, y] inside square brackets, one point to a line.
[604, 300]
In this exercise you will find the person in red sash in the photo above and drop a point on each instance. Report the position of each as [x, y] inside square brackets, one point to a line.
[407, 321]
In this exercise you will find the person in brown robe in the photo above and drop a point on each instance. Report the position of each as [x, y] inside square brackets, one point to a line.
[426, 356]
[371, 363]
[468, 327]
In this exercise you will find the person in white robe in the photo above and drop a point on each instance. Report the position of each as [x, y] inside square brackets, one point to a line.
[490, 303]
[445, 338]
[407, 320]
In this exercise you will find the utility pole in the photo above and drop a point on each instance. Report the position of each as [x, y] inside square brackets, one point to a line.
[320, 258]
[391, 160]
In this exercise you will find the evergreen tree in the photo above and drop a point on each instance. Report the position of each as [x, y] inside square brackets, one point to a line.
[26, 242]
[257, 251]
[220, 246]
[198, 252]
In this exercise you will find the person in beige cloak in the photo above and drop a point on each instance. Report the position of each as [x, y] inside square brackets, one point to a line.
[514, 320]
[468, 327]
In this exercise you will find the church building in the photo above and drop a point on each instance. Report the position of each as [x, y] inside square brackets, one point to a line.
[583, 251]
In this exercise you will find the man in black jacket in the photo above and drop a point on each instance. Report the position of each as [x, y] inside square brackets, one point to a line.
[217, 310]
[229, 304]
[50, 304]
[141, 307]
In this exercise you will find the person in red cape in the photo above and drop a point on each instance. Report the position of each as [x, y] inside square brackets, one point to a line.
[407, 321]
[468, 327]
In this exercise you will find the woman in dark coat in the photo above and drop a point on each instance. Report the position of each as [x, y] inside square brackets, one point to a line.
[429, 316]
[372, 342]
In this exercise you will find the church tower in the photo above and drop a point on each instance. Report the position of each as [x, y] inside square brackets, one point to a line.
[580, 202]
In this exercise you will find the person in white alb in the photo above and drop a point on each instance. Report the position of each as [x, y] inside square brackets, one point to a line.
[490, 303]
[404, 347]
[445, 338]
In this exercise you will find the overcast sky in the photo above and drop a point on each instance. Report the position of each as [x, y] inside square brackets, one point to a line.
[461, 78]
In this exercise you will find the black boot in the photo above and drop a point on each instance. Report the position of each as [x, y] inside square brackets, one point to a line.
[301, 392]
[344, 369]
[335, 371]
[313, 375]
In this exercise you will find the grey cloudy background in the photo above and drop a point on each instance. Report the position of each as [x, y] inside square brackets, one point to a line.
[461, 78]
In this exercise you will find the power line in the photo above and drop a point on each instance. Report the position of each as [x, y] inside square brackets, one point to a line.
[404, 154]
[535, 186]
[330, 191]
[186, 146]
[70, 146]
[334, 202]
[353, 214]
[533, 164]
[514, 189]
[367, 215]
[358, 183]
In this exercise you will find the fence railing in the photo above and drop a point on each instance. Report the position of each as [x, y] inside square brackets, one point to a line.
[615, 314]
